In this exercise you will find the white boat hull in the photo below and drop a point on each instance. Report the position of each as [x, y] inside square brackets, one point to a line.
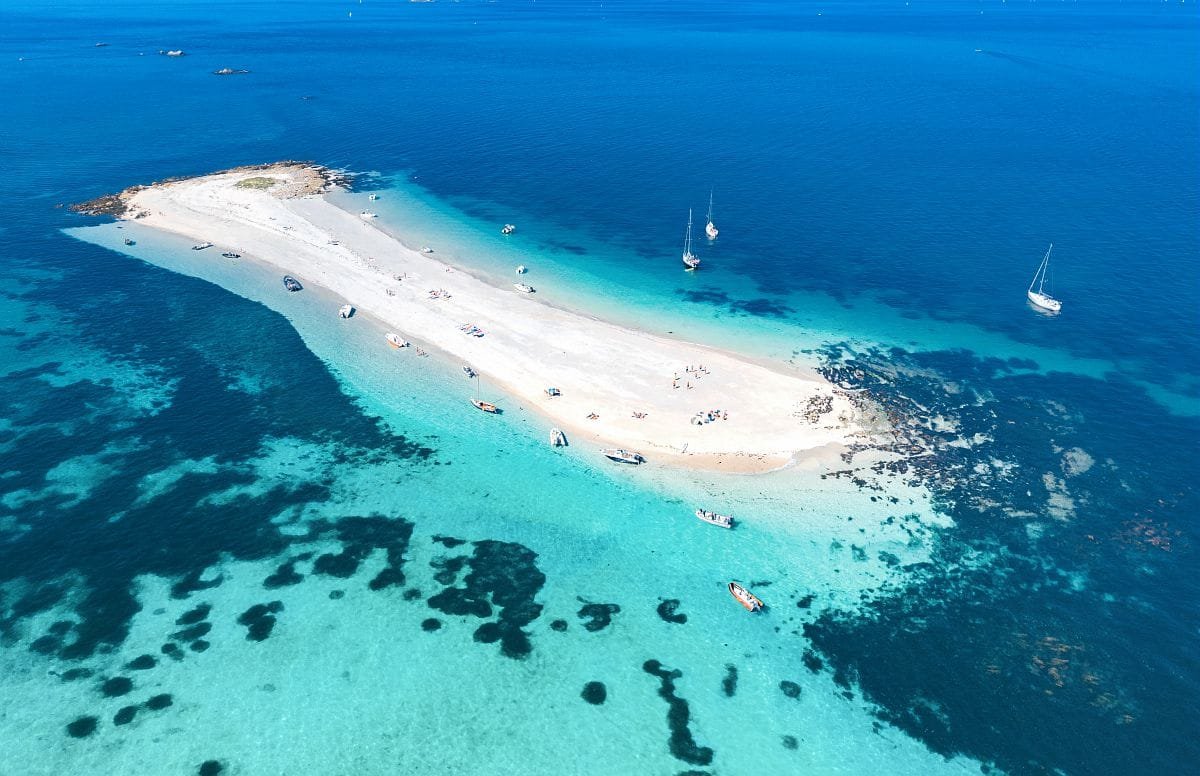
[1045, 302]
[711, 231]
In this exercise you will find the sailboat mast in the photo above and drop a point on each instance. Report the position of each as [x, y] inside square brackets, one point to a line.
[687, 240]
[1045, 267]
[710, 195]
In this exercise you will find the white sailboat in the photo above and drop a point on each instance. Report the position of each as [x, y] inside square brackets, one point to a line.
[1040, 297]
[710, 228]
[689, 259]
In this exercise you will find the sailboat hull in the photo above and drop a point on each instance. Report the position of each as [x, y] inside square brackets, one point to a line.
[711, 231]
[1044, 302]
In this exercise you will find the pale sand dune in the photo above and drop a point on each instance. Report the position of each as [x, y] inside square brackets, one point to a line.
[600, 368]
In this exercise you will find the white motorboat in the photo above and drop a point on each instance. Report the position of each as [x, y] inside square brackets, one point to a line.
[524, 288]
[521, 269]
[558, 438]
[367, 215]
[689, 259]
[623, 456]
[372, 197]
[724, 521]
[710, 228]
[201, 246]
[395, 340]
[345, 311]
[508, 229]
[1040, 297]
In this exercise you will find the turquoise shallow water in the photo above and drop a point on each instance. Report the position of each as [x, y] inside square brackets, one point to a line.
[334, 567]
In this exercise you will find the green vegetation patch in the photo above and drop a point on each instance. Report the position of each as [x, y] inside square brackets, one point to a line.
[257, 182]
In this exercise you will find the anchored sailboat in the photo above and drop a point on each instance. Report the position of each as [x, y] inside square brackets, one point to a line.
[480, 404]
[689, 259]
[710, 228]
[1040, 297]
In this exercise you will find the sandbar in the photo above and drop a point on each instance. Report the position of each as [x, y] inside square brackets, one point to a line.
[675, 402]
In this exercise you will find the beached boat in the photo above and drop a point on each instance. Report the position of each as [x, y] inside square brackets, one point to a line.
[558, 438]
[345, 311]
[1040, 297]
[724, 521]
[468, 371]
[395, 340]
[367, 215]
[623, 456]
[744, 597]
[231, 255]
[552, 392]
[710, 228]
[486, 406]
[689, 259]
[201, 246]
[291, 284]
[524, 288]
[426, 249]
[508, 229]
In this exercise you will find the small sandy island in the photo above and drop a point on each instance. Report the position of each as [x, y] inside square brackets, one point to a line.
[674, 402]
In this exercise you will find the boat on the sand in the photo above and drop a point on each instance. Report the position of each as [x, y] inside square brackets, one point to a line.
[231, 255]
[367, 215]
[623, 456]
[552, 392]
[744, 597]
[524, 288]
[201, 246]
[128, 241]
[558, 438]
[724, 521]
[395, 340]
[290, 283]
[345, 311]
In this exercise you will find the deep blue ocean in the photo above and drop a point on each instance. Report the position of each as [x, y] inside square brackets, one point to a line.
[895, 170]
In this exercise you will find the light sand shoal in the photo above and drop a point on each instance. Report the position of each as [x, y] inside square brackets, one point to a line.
[602, 369]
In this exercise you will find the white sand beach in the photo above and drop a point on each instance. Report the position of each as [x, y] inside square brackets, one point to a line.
[619, 387]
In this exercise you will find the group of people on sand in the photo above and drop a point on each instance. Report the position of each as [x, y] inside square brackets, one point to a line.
[708, 416]
[439, 293]
[695, 371]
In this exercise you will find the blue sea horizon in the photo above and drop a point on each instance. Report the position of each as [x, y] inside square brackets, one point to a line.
[237, 538]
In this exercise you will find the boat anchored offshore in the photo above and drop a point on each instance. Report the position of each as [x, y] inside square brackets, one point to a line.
[128, 241]
[689, 259]
[508, 229]
[725, 521]
[524, 288]
[395, 340]
[480, 404]
[345, 311]
[291, 284]
[557, 438]
[710, 228]
[744, 597]
[1040, 297]
[623, 456]
[201, 246]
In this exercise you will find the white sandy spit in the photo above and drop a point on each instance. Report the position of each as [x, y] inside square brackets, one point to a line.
[768, 413]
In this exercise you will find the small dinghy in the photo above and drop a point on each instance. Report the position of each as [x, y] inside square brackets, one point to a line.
[395, 340]
[508, 229]
[345, 311]
[468, 371]
[231, 255]
[367, 215]
[201, 246]
[746, 598]
[623, 456]
[724, 521]
[558, 438]
[524, 288]
[291, 284]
